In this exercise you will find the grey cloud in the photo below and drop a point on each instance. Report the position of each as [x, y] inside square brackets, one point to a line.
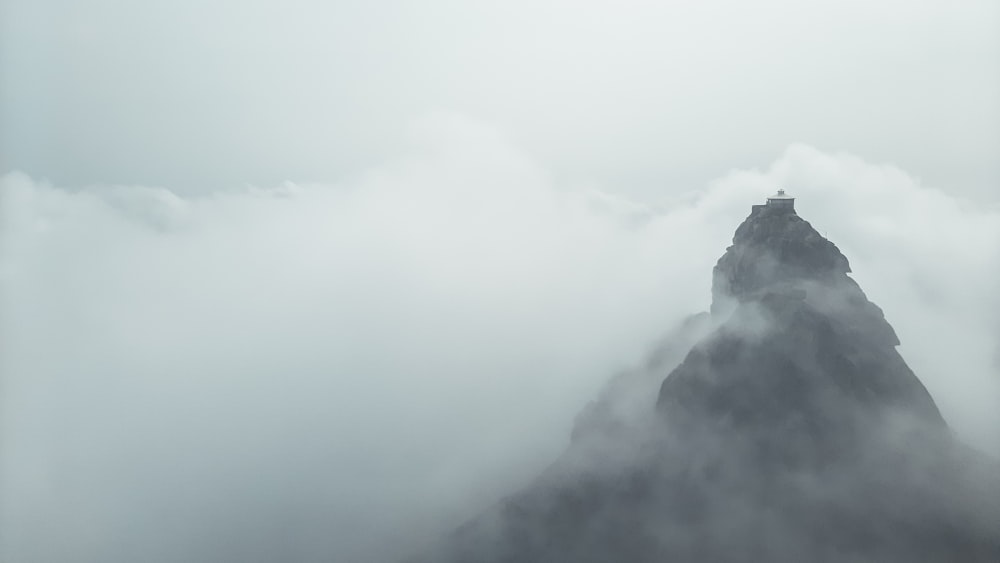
[300, 372]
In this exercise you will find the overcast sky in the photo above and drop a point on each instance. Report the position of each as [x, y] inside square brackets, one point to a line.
[282, 280]
[645, 97]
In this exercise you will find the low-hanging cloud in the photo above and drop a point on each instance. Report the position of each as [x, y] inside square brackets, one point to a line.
[338, 372]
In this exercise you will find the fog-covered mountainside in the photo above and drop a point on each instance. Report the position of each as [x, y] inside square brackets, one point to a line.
[781, 426]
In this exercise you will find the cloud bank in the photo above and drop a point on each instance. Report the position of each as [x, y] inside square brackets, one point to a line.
[303, 371]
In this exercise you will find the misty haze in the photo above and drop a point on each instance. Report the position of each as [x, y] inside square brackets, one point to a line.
[520, 282]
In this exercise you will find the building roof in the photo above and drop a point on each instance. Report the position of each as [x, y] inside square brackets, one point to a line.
[780, 195]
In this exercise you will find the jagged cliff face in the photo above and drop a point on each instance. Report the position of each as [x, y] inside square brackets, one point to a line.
[801, 354]
[787, 428]
[775, 247]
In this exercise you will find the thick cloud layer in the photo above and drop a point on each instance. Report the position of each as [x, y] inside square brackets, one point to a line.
[301, 372]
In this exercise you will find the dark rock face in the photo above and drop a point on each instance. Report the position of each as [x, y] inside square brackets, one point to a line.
[791, 431]
[801, 353]
[772, 247]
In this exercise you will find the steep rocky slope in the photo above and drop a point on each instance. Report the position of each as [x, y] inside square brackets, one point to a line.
[792, 430]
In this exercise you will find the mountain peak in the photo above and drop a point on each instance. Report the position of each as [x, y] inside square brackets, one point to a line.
[787, 428]
[798, 343]
[774, 247]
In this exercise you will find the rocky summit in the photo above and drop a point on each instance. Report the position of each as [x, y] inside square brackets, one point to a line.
[782, 426]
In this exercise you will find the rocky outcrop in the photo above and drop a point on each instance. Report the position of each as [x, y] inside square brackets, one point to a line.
[801, 354]
[787, 428]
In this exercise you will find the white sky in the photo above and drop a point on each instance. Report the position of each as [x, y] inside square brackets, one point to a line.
[639, 97]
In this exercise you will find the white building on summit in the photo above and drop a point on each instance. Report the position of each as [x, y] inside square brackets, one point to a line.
[781, 200]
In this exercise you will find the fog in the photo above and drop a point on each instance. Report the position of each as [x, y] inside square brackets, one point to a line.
[318, 281]
[300, 372]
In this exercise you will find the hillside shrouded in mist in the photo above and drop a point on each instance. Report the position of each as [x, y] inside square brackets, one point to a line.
[317, 281]
[792, 430]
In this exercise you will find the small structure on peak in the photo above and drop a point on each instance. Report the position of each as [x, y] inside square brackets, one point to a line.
[781, 200]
